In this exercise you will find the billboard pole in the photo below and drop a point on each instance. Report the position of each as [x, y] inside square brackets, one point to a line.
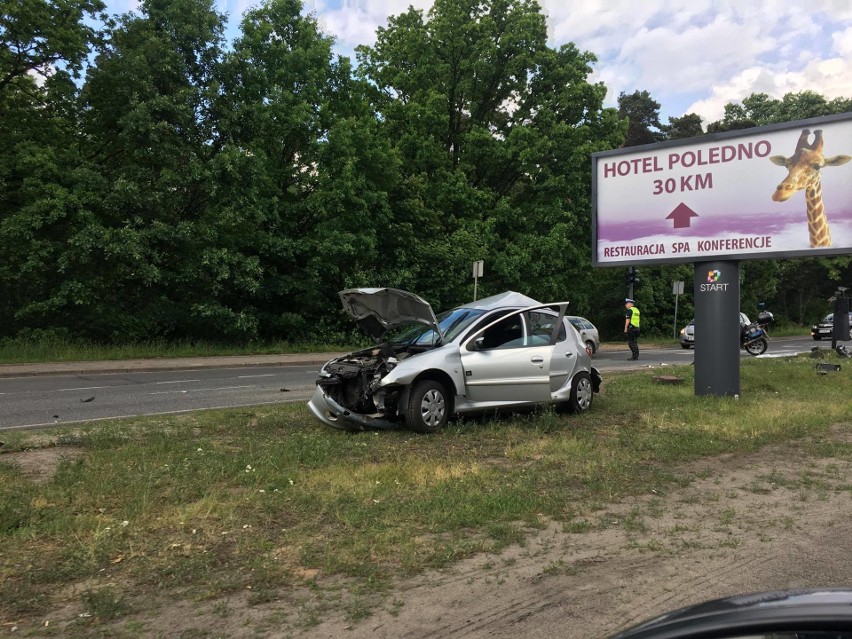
[717, 328]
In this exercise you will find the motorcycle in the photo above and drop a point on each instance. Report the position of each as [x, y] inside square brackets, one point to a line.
[754, 339]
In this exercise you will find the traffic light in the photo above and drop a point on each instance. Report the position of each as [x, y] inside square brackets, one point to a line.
[632, 276]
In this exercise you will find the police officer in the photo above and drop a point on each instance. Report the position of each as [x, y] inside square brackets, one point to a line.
[631, 327]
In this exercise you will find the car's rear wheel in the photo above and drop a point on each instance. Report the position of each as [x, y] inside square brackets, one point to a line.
[581, 393]
[428, 407]
[685, 346]
[590, 347]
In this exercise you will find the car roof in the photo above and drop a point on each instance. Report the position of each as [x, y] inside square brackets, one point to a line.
[502, 300]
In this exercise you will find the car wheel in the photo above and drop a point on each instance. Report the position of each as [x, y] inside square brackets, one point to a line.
[817, 338]
[581, 393]
[685, 346]
[590, 347]
[428, 407]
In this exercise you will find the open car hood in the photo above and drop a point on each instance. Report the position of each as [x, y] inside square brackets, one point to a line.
[379, 309]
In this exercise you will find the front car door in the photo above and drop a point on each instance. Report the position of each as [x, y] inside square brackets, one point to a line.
[509, 361]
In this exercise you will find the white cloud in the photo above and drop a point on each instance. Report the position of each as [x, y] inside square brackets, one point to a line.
[831, 78]
[356, 21]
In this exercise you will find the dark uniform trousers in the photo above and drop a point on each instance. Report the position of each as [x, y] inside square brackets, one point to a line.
[632, 340]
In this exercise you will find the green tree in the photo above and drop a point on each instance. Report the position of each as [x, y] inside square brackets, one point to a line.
[303, 173]
[146, 260]
[643, 116]
[42, 48]
[39, 36]
[494, 131]
[687, 126]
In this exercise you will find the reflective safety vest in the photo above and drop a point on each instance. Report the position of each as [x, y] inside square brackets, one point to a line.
[634, 317]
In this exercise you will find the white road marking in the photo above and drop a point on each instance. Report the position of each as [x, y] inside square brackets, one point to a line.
[180, 381]
[68, 390]
[201, 390]
[247, 376]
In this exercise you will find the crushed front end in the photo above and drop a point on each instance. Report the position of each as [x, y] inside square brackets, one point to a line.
[349, 394]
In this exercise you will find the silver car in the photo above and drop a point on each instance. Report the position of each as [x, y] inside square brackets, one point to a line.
[505, 351]
[588, 333]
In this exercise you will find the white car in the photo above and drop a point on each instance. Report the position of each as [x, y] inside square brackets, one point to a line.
[505, 351]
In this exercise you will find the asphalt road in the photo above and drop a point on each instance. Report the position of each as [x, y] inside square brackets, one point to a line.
[44, 400]
[34, 401]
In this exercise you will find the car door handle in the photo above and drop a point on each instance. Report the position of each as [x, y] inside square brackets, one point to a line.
[537, 359]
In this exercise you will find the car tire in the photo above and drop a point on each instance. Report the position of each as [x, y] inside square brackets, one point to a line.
[428, 409]
[685, 346]
[817, 338]
[590, 347]
[582, 393]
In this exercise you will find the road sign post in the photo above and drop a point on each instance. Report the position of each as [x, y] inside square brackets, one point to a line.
[677, 290]
[478, 270]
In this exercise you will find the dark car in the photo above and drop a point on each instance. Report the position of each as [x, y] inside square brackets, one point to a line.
[826, 326]
[792, 614]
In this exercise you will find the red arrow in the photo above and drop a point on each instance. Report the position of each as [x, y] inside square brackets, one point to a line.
[681, 216]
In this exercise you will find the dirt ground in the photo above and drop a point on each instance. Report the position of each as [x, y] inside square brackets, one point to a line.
[766, 521]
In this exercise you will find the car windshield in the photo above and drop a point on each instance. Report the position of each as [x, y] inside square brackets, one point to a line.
[828, 319]
[452, 323]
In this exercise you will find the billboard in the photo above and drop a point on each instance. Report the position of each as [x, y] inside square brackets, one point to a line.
[766, 192]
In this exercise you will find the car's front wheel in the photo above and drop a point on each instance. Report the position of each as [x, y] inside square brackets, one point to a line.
[428, 407]
[581, 393]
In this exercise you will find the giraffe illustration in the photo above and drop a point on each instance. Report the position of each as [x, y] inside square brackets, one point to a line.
[803, 173]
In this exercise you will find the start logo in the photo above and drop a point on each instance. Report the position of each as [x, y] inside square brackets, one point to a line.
[713, 283]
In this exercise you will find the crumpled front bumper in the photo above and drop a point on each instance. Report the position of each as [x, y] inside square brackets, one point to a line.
[330, 413]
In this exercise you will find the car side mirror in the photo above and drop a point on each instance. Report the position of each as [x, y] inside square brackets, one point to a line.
[478, 344]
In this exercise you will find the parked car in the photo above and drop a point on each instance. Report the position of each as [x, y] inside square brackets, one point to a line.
[825, 327]
[588, 333]
[687, 333]
[504, 351]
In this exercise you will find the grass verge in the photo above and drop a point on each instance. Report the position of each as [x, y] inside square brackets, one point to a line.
[269, 502]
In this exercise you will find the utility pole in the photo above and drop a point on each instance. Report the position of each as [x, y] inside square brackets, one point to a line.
[630, 279]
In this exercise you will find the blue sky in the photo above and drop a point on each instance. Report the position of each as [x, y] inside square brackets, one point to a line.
[691, 55]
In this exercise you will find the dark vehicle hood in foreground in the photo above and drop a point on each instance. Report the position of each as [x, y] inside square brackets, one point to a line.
[379, 309]
[807, 612]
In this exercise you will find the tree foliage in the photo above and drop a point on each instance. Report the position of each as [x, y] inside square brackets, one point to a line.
[494, 130]
[156, 180]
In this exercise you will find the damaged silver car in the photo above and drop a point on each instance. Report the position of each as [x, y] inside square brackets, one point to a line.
[505, 351]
